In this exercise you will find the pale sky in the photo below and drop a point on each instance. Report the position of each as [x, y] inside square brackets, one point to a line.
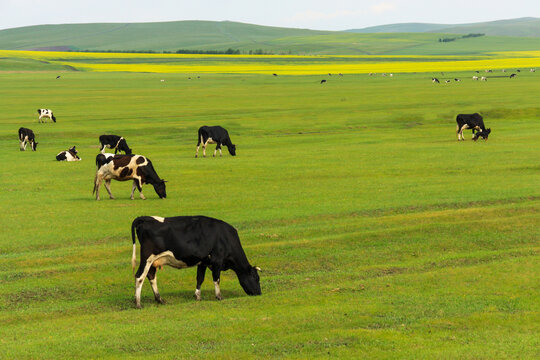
[311, 14]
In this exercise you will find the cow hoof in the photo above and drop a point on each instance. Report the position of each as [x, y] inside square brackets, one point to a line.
[196, 156]
[161, 301]
[219, 297]
[138, 306]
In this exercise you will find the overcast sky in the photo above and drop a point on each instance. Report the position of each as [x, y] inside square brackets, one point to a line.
[312, 14]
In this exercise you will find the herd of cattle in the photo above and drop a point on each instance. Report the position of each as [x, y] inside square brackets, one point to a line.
[184, 241]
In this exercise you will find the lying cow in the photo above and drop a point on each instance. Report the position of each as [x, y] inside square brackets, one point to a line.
[115, 142]
[46, 113]
[26, 136]
[475, 122]
[127, 167]
[68, 155]
[214, 135]
[186, 241]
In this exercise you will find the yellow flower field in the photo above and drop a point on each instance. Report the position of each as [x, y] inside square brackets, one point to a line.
[282, 64]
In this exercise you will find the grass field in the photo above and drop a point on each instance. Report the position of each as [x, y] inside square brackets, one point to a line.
[379, 234]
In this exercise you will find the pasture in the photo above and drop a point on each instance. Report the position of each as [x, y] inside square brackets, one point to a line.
[379, 234]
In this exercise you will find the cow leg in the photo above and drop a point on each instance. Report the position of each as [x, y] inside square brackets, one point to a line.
[198, 144]
[201, 271]
[97, 185]
[461, 131]
[133, 189]
[144, 268]
[204, 149]
[108, 187]
[22, 145]
[139, 187]
[457, 132]
[216, 271]
[153, 281]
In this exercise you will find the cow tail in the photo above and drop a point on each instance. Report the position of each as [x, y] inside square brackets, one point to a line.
[134, 226]
[53, 118]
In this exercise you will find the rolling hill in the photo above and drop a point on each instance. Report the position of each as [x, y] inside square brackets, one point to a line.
[521, 27]
[220, 36]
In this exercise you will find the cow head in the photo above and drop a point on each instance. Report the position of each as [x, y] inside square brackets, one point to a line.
[123, 146]
[250, 281]
[73, 151]
[484, 134]
[160, 188]
[34, 145]
[232, 149]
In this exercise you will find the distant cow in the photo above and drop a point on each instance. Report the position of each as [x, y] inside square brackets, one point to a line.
[475, 77]
[127, 167]
[46, 113]
[214, 135]
[483, 78]
[186, 241]
[532, 70]
[435, 80]
[68, 155]
[475, 122]
[115, 142]
[513, 76]
[274, 74]
[446, 81]
[26, 136]
[323, 81]
[456, 79]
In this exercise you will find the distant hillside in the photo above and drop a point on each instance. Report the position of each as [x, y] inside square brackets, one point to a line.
[247, 38]
[145, 36]
[522, 27]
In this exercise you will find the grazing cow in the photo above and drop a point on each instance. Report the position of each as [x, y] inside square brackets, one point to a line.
[58, 77]
[435, 80]
[127, 167]
[532, 70]
[68, 155]
[456, 79]
[518, 70]
[186, 241]
[340, 74]
[483, 78]
[483, 134]
[214, 135]
[475, 77]
[513, 76]
[274, 74]
[46, 113]
[503, 70]
[26, 136]
[446, 81]
[115, 142]
[323, 81]
[470, 121]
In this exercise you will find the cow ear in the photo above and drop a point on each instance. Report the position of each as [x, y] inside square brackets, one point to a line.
[164, 180]
[257, 268]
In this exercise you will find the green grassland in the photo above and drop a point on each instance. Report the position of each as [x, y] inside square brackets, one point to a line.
[211, 35]
[379, 234]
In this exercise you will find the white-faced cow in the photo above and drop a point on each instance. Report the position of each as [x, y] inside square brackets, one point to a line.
[214, 135]
[46, 113]
[26, 136]
[435, 80]
[186, 241]
[475, 122]
[127, 167]
[68, 155]
[115, 142]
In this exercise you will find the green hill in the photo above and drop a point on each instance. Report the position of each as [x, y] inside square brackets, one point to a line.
[220, 36]
[521, 27]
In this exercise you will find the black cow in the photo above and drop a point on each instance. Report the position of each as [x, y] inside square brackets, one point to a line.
[68, 155]
[27, 136]
[323, 81]
[513, 76]
[115, 142]
[127, 167]
[186, 241]
[471, 121]
[214, 135]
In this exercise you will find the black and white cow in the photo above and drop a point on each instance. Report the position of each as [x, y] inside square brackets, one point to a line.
[214, 135]
[482, 134]
[127, 167]
[46, 113]
[115, 142]
[26, 136]
[186, 241]
[435, 80]
[475, 122]
[68, 155]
